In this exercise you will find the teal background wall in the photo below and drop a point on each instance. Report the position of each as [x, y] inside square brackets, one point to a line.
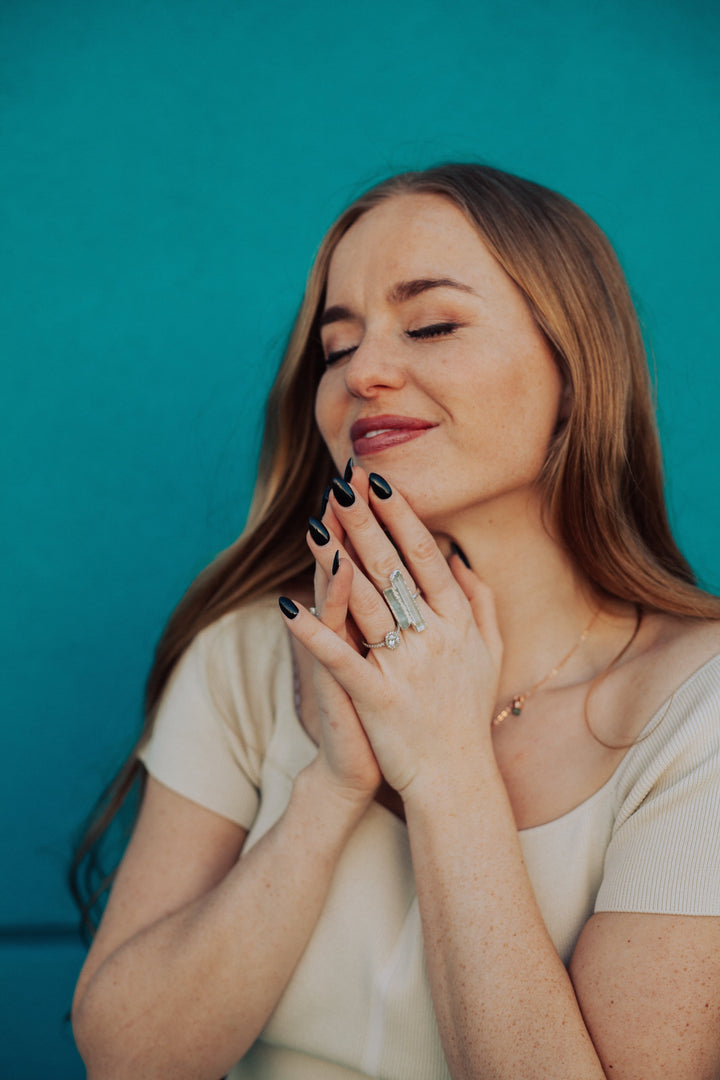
[166, 172]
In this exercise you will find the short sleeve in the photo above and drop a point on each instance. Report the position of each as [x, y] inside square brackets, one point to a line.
[664, 853]
[215, 719]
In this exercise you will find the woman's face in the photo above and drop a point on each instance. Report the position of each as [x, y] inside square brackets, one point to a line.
[437, 377]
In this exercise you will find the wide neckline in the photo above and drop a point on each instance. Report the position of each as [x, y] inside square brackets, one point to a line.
[584, 805]
[645, 731]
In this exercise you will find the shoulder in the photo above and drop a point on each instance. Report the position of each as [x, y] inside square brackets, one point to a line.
[682, 657]
[665, 846]
[237, 670]
[679, 672]
[252, 629]
[246, 655]
[672, 658]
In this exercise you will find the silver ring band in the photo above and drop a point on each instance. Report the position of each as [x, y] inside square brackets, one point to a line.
[390, 641]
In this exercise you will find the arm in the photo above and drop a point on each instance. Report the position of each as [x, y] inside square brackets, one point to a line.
[505, 1004]
[641, 1001]
[195, 948]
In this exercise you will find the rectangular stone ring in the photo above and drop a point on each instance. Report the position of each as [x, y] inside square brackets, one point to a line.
[402, 604]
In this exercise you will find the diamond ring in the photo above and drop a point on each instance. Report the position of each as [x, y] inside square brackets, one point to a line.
[390, 641]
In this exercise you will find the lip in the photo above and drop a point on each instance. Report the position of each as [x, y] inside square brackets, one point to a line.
[391, 431]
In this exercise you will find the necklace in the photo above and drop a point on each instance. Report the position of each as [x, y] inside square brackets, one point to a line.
[515, 706]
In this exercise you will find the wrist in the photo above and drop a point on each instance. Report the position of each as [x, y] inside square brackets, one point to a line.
[451, 786]
[330, 810]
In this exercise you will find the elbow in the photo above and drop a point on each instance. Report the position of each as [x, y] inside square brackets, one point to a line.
[82, 1028]
[89, 1030]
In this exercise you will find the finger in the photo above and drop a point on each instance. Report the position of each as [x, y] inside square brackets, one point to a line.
[327, 512]
[376, 550]
[334, 609]
[367, 606]
[420, 550]
[482, 604]
[320, 584]
[358, 477]
[341, 660]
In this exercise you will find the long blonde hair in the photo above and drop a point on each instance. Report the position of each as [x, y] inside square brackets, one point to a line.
[602, 481]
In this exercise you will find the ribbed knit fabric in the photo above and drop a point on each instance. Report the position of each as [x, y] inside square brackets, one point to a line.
[228, 737]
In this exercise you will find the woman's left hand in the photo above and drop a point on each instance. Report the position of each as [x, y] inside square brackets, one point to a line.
[441, 681]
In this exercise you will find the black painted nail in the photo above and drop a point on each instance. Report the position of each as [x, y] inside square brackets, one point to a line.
[457, 550]
[380, 485]
[318, 531]
[347, 475]
[336, 562]
[323, 504]
[287, 607]
[343, 492]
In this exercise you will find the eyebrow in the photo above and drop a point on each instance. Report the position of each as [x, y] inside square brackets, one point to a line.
[398, 294]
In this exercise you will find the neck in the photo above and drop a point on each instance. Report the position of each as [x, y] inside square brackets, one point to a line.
[543, 603]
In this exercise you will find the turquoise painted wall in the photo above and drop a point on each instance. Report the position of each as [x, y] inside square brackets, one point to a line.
[167, 169]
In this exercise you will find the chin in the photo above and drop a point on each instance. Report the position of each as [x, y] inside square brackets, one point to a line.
[434, 512]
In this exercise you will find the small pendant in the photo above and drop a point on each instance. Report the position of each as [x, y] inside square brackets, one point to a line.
[516, 706]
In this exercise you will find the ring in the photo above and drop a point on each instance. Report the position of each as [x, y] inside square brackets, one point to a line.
[391, 640]
[402, 603]
[313, 611]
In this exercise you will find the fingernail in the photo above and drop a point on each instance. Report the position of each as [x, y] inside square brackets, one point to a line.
[323, 504]
[318, 531]
[287, 607]
[347, 475]
[343, 492]
[457, 550]
[380, 485]
[336, 562]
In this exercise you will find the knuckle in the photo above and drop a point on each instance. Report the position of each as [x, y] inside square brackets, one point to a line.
[385, 565]
[368, 603]
[359, 517]
[425, 550]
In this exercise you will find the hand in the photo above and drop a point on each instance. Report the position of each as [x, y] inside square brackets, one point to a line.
[439, 682]
[345, 759]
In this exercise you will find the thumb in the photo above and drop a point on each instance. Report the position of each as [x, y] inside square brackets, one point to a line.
[482, 604]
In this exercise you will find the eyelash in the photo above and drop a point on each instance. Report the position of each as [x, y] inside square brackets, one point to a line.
[424, 333]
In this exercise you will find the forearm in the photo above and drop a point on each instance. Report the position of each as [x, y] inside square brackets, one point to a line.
[187, 996]
[504, 1002]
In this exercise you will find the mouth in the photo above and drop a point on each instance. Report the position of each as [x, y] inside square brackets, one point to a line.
[376, 433]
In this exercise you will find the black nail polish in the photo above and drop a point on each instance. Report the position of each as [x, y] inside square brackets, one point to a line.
[336, 562]
[457, 550]
[287, 607]
[318, 531]
[380, 485]
[323, 504]
[347, 475]
[343, 492]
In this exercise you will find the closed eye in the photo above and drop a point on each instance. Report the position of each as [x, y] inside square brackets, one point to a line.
[339, 354]
[423, 333]
[435, 330]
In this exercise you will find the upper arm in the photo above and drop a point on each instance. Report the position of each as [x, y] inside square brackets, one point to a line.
[178, 852]
[649, 990]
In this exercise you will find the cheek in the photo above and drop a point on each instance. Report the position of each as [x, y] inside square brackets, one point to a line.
[515, 407]
[328, 410]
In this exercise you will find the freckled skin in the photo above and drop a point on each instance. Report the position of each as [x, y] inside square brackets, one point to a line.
[491, 387]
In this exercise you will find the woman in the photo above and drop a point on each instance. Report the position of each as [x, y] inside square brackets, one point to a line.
[482, 844]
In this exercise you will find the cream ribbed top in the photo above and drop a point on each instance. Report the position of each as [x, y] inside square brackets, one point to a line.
[228, 737]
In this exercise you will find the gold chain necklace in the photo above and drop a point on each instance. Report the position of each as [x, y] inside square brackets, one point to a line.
[515, 706]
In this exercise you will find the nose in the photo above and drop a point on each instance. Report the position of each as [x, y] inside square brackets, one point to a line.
[374, 366]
